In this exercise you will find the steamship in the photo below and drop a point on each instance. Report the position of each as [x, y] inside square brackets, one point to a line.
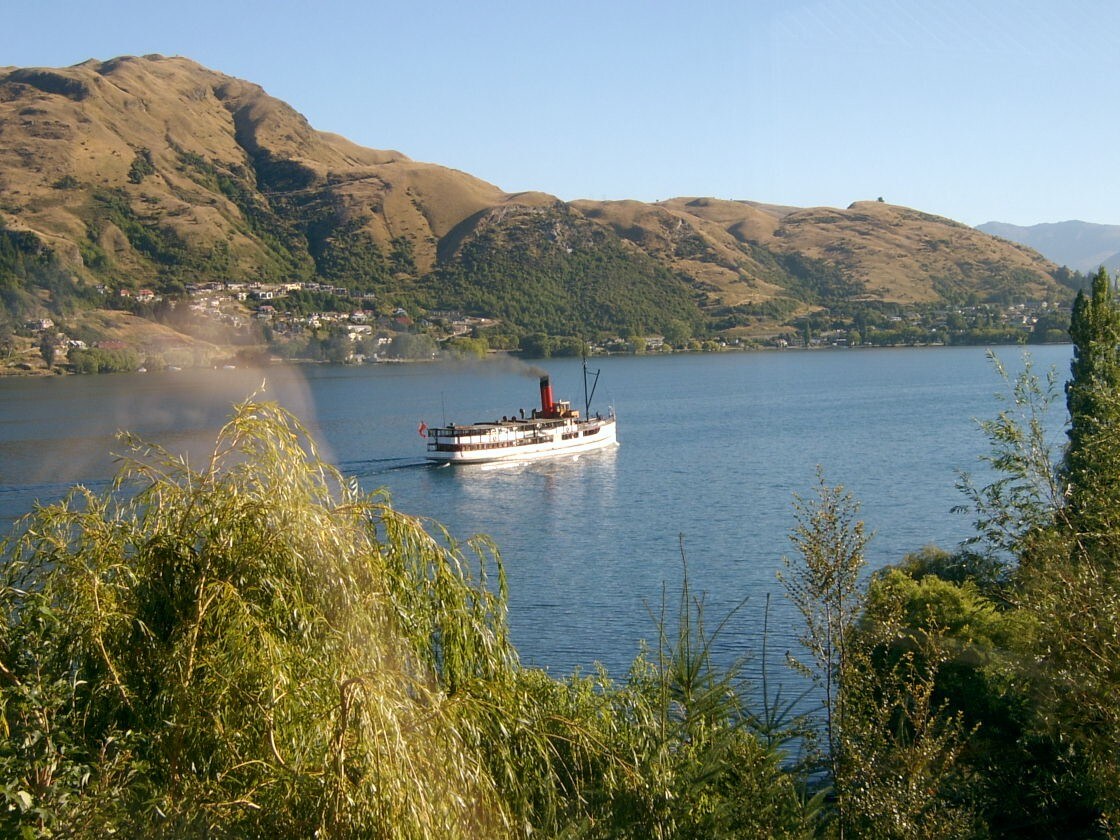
[555, 429]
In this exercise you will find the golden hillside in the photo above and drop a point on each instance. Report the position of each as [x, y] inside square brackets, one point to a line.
[892, 253]
[154, 170]
[87, 123]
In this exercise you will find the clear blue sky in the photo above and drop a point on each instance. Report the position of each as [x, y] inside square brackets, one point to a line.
[978, 110]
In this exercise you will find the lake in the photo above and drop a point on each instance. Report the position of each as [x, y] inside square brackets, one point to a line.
[713, 449]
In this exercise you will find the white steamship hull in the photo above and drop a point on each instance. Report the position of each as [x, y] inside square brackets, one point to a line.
[554, 430]
[484, 444]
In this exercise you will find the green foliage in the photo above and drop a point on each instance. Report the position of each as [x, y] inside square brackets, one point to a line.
[161, 245]
[984, 570]
[96, 360]
[548, 271]
[966, 618]
[277, 174]
[814, 281]
[777, 309]
[22, 257]
[349, 256]
[1071, 279]
[412, 346]
[1078, 679]
[286, 249]
[1005, 771]
[694, 765]
[463, 347]
[899, 773]
[894, 746]
[334, 347]
[294, 346]
[543, 346]
[1014, 512]
[1072, 585]
[401, 256]
[823, 586]
[300, 226]
[141, 167]
[168, 255]
[1030, 656]
[67, 182]
[31, 279]
[500, 339]
[1052, 327]
[93, 255]
[307, 301]
[1092, 461]
[677, 333]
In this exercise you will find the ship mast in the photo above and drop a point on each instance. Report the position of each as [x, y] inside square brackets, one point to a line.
[588, 397]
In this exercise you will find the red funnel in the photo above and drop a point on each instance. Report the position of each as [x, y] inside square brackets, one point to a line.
[547, 405]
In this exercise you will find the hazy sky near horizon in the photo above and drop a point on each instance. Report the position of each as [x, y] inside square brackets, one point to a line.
[978, 110]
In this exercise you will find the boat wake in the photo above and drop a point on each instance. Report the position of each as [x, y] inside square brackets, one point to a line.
[381, 466]
[501, 465]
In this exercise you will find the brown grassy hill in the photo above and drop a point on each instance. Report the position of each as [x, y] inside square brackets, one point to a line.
[155, 171]
[703, 248]
[66, 133]
[904, 255]
[889, 253]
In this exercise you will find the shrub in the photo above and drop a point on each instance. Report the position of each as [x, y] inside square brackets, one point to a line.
[256, 649]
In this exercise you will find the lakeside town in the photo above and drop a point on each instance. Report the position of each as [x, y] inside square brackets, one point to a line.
[217, 323]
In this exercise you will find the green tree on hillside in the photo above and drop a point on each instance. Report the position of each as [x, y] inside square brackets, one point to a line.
[33, 280]
[142, 166]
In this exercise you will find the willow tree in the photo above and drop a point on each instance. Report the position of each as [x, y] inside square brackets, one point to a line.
[255, 648]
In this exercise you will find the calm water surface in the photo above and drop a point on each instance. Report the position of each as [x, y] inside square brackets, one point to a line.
[713, 449]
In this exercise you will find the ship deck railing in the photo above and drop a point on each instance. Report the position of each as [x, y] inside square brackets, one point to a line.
[484, 429]
[436, 446]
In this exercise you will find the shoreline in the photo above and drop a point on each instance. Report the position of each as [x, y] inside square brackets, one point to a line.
[29, 371]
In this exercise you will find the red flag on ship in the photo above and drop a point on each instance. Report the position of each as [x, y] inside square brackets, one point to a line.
[423, 428]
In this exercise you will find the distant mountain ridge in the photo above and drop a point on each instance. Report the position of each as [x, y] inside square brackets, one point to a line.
[156, 171]
[1082, 246]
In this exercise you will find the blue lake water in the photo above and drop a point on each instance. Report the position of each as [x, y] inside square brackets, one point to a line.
[713, 449]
